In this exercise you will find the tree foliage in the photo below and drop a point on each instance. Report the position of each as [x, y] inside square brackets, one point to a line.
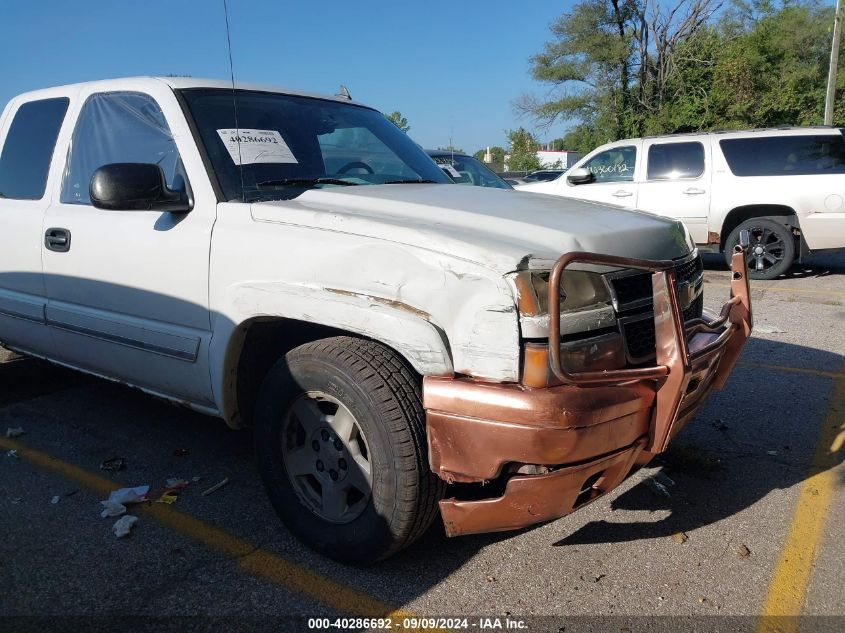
[621, 68]
[399, 121]
[523, 151]
[497, 153]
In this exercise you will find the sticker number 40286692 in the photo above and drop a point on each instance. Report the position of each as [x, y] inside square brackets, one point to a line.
[247, 146]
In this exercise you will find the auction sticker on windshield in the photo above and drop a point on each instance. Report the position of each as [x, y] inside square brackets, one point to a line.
[247, 147]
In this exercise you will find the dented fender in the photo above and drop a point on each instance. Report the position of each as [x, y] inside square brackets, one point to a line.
[443, 314]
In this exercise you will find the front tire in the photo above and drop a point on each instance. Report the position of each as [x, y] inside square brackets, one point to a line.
[341, 448]
[771, 250]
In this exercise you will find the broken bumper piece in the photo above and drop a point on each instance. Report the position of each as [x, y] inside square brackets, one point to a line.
[544, 452]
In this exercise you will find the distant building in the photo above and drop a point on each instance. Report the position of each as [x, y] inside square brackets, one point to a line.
[557, 159]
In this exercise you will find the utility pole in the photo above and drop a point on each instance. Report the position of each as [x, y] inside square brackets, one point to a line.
[834, 59]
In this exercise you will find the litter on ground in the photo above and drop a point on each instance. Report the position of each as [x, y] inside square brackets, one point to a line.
[112, 509]
[130, 495]
[216, 487]
[113, 464]
[17, 432]
[123, 525]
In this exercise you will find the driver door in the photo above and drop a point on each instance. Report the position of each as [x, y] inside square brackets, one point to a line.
[127, 296]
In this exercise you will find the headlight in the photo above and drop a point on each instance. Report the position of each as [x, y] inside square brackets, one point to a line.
[578, 290]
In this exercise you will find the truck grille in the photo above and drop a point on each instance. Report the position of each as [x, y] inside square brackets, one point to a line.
[635, 307]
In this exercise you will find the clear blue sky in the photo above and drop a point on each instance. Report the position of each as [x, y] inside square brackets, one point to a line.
[451, 68]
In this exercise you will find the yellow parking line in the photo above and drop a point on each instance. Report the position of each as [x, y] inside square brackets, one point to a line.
[795, 370]
[248, 557]
[771, 288]
[788, 586]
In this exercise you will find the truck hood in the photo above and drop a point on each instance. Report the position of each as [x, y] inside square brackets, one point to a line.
[496, 228]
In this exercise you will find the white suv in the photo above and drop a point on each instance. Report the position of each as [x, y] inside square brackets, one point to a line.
[786, 186]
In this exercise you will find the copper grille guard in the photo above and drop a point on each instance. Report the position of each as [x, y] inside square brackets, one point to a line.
[708, 349]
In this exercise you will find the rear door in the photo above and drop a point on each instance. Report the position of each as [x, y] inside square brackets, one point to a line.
[614, 170]
[28, 135]
[128, 298]
[675, 182]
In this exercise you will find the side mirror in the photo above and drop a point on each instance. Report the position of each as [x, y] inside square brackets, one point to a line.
[580, 176]
[135, 187]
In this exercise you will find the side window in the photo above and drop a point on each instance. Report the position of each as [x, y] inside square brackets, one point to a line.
[785, 155]
[674, 161]
[119, 127]
[28, 150]
[613, 165]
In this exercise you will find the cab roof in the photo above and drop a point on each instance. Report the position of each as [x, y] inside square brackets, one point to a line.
[176, 83]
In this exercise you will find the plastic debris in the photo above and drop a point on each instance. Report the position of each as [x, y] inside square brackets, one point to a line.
[216, 487]
[664, 479]
[772, 453]
[123, 525]
[659, 487]
[180, 452]
[680, 537]
[10, 432]
[168, 498]
[130, 495]
[196, 479]
[743, 551]
[174, 483]
[112, 509]
[12, 453]
[113, 464]
[55, 499]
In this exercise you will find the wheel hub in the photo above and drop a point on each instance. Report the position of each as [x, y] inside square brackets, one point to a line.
[326, 457]
[331, 459]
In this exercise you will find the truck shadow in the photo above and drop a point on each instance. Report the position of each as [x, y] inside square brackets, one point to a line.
[820, 264]
[756, 436]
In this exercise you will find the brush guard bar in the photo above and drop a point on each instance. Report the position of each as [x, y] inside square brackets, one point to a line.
[681, 348]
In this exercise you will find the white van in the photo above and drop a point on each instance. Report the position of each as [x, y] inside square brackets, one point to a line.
[786, 186]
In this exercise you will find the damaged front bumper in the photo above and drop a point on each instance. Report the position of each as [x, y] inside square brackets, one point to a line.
[541, 453]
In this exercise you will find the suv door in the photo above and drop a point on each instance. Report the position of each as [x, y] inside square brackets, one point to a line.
[28, 136]
[614, 170]
[128, 297]
[676, 182]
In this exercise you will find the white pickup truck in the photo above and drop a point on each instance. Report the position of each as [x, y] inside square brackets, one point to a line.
[296, 264]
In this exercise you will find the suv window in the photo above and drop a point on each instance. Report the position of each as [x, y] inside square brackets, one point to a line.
[28, 150]
[613, 165]
[119, 127]
[785, 155]
[674, 161]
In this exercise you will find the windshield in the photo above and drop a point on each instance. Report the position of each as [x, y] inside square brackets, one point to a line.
[466, 170]
[283, 145]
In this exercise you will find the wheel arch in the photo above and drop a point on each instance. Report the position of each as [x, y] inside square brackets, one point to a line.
[243, 355]
[784, 214]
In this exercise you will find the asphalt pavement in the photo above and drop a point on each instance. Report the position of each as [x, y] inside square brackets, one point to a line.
[742, 517]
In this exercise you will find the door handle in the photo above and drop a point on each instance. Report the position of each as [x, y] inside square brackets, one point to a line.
[622, 194]
[57, 240]
[692, 191]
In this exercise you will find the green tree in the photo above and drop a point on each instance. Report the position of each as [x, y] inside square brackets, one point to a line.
[399, 121]
[523, 151]
[622, 68]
